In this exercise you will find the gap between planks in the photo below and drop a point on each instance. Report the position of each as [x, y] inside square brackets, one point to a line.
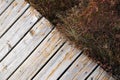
[100, 74]
[11, 15]
[22, 66]
[18, 31]
[40, 57]
[24, 48]
[64, 57]
[4, 4]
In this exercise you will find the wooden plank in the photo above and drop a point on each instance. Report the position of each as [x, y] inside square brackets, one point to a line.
[82, 67]
[100, 74]
[38, 58]
[104, 76]
[58, 63]
[24, 48]
[17, 31]
[4, 4]
[12, 14]
[96, 74]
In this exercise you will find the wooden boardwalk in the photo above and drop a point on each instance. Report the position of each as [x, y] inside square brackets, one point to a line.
[32, 48]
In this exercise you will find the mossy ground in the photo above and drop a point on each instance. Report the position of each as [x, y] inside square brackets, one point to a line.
[93, 25]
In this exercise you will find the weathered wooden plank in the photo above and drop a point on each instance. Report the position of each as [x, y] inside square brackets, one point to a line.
[104, 76]
[17, 31]
[12, 14]
[46, 49]
[58, 63]
[100, 74]
[80, 69]
[96, 74]
[24, 48]
[4, 4]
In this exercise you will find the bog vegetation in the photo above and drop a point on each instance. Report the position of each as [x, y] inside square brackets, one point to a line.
[93, 25]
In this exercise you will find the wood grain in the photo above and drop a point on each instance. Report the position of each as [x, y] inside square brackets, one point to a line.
[58, 63]
[9, 17]
[80, 69]
[31, 48]
[96, 74]
[4, 4]
[100, 74]
[17, 31]
[24, 48]
[38, 58]
[104, 76]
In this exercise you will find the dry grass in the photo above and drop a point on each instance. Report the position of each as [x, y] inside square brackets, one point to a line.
[93, 25]
[96, 28]
[50, 8]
